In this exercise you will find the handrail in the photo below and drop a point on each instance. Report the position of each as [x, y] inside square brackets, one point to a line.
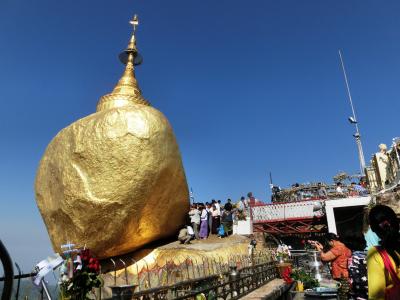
[22, 276]
[8, 272]
[221, 285]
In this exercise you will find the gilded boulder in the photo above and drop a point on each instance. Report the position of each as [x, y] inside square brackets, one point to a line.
[114, 180]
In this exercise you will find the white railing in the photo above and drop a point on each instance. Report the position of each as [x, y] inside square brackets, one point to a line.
[287, 211]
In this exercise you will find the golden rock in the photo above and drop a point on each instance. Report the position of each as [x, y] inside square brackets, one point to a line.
[114, 180]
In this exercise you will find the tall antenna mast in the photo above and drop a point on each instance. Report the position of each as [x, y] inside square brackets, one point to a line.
[191, 195]
[353, 119]
[271, 185]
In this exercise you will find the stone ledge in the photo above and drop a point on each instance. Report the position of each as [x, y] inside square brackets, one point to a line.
[270, 291]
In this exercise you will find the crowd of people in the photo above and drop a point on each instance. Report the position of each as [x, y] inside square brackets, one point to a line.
[371, 262]
[355, 189]
[372, 265]
[318, 190]
[213, 218]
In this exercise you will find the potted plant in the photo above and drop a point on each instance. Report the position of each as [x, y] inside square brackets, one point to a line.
[304, 280]
[282, 253]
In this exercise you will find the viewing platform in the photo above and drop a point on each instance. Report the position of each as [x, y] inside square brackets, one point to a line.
[306, 216]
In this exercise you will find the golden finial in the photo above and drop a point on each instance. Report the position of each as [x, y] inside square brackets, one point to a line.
[127, 90]
[134, 22]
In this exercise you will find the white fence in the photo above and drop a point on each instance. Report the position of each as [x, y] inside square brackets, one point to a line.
[287, 211]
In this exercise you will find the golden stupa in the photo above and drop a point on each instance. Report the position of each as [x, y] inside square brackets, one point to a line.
[114, 180]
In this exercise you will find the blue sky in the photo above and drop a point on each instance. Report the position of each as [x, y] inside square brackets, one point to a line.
[248, 86]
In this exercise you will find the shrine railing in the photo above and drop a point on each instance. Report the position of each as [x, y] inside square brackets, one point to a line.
[232, 284]
[287, 211]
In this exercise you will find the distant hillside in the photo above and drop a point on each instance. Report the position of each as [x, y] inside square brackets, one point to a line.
[28, 289]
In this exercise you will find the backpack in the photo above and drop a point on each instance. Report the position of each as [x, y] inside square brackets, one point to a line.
[221, 230]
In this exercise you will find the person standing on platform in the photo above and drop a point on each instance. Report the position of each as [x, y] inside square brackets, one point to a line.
[227, 221]
[209, 215]
[217, 207]
[215, 219]
[241, 205]
[359, 189]
[203, 234]
[194, 214]
[228, 205]
[322, 193]
[251, 199]
[339, 188]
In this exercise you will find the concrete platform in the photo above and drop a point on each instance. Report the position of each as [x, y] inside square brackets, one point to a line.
[270, 291]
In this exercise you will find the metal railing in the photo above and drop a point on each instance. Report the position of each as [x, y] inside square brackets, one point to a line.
[181, 269]
[231, 284]
[222, 277]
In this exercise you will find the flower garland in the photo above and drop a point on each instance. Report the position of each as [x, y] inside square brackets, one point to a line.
[80, 273]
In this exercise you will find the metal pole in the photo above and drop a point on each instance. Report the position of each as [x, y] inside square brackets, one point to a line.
[191, 195]
[360, 152]
[271, 185]
[137, 272]
[357, 136]
[8, 272]
[126, 271]
[46, 290]
[115, 271]
[18, 282]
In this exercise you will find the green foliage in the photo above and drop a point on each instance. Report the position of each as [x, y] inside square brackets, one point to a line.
[79, 275]
[308, 281]
[81, 285]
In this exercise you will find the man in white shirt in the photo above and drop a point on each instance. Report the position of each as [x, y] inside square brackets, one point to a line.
[194, 214]
[190, 230]
[242, 207]
[242, 204]
[339, 188]
[218, 206]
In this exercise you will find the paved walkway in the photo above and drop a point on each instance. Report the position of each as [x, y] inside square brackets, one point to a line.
[270, 291]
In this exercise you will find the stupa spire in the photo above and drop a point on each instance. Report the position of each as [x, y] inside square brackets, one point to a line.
[127, 90]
